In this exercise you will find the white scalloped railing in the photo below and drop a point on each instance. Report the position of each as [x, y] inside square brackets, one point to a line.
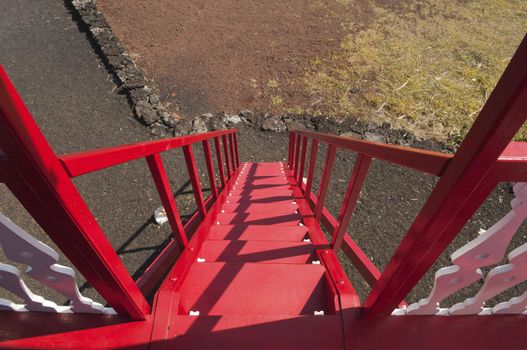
[41, 260]
[487, 249]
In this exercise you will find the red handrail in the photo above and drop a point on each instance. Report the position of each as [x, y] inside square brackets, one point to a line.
[485, 158]
[42, 183]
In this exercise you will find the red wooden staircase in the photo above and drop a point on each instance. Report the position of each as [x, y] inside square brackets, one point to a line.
[252, 268]
[259, 269]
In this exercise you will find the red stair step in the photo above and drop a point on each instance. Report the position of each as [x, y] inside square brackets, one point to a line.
[231, 288]
[258, 251]
[261, 218]
[272, 180]
[260, 199]
[248, 207]
[277, 191]
[255, 332]
[251, 187]
[258, 232]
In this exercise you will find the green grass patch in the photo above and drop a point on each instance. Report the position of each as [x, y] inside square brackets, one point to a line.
[426, 67]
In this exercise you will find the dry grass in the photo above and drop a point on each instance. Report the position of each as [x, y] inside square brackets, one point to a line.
[427, 67]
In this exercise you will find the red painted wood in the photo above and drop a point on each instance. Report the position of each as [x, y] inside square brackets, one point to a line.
[167, 198]
[357, 257]
[347, 297]
[46, 330]
[80, 163]
[437, 333]
[324, 181]
[261, 198]
[269, 190]
[429, 162]
[311, 169]
[194, 179]
[358, 176]
[226, 154]
[7, 172]
[278, 252]
[165, 260]
[346, 294]
[297, 156]
[236, 150]
[219, 159]
[210, 168]
[259, 218]
[260, 181]
[292, 149]
[231, 147]
[279, 208]
[256, 332]
[258, 233]
[300, 175]
[459, 192]
[220, 288]
[51, 198]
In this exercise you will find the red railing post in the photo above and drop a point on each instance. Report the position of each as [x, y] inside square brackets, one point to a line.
[50, 197]
[360, 170]
[292, 138]
[194, 179]
[233, 157]
[324, 181]
[167, 198]
[311, 169]
[302, 162]
[226, 153]
[463, 187]
[210, 168]
[297, 155]
[219, 159]
[236, 149]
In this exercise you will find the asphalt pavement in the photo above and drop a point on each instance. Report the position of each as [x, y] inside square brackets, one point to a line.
[75, 103]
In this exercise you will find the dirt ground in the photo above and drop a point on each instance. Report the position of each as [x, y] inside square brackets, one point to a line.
[206, 56]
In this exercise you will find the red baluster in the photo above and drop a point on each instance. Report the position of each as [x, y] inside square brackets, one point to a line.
[324, 182]
[219, 159]
[194, 179]
[165, 193]
[360, 170]
[210, 168]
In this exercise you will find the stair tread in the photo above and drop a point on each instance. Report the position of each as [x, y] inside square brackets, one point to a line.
[258, 232]
[260, 199]
[255, 332]
[219, 288]
[248, 192]
[258, 251]
[248, 207]
[259, 218]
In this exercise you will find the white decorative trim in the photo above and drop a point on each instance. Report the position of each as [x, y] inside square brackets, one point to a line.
[498, 280]
[42, 260]
[487, 249]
